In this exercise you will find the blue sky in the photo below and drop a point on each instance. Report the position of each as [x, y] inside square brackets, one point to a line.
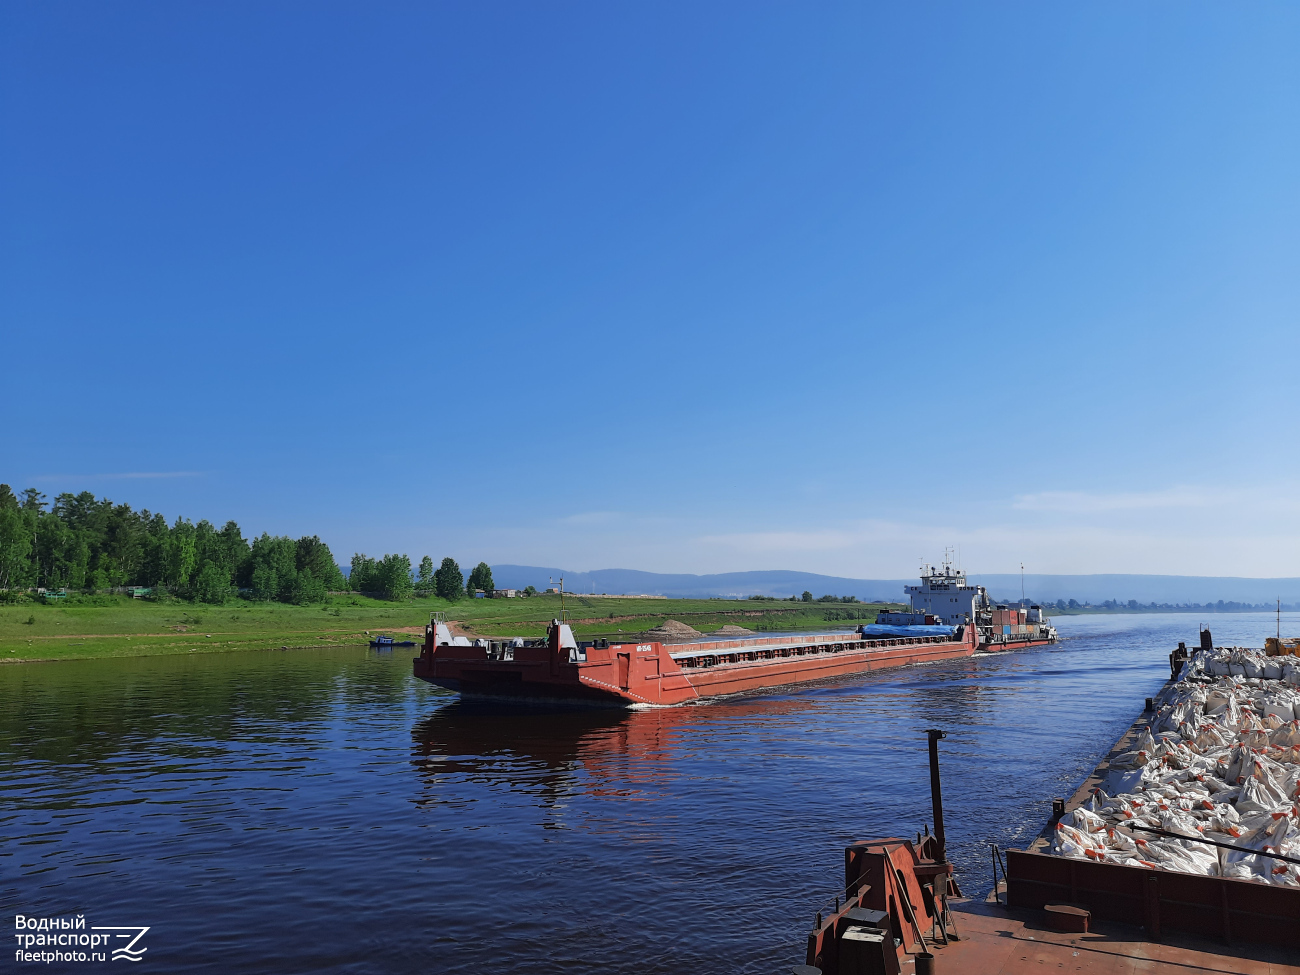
[680, 287]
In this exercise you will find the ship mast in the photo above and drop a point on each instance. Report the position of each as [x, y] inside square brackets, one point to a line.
[552, 578]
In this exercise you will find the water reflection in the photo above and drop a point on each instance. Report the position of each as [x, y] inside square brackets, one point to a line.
[950, 696]
[558, 755]
[87, 713]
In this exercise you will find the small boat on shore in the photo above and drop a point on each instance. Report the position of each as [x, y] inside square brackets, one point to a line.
[387, 643]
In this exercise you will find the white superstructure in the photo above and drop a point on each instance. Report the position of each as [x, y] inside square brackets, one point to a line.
[945, 593]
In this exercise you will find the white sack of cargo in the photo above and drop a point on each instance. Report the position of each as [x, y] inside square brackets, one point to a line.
[1249, 665]
[1279, 705]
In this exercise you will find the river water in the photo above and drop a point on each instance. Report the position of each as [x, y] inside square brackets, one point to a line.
[321, 811]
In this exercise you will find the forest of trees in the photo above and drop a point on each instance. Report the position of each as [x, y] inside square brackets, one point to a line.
[88, 544]
[79, 542]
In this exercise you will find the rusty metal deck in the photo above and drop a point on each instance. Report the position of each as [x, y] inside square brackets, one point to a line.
[997, 940]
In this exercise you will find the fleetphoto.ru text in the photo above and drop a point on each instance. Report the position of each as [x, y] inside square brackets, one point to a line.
[63, 939]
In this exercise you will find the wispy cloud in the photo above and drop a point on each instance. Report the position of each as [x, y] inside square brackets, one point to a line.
[1270, 499]
[1084, 502]
[127, 476]
[882, 549]
[786, 541]
[851, 537]
[591, 518]
[1185, 541]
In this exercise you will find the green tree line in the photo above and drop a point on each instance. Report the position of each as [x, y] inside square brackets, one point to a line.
[448, 582]
[81, 542]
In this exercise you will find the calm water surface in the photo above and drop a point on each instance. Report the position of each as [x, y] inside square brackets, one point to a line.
[323, 811]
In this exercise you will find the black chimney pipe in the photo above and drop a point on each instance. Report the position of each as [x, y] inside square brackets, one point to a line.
[936, 793]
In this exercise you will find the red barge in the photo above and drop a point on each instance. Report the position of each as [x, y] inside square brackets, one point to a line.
[954, 621]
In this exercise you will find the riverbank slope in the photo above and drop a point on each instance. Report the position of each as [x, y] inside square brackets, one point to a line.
[118, 626]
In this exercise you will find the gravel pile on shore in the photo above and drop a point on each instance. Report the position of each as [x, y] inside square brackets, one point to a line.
[1223, 764]
[731, 629]
[670, 630]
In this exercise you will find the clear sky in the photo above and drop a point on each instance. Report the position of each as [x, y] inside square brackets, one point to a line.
[681, 287]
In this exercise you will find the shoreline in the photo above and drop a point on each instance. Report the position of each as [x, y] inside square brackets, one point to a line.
[174, 650]
[120, 628]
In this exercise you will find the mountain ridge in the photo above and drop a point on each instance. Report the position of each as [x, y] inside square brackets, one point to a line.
[1090, 588]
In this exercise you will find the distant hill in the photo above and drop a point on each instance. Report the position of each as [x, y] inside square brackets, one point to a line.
[1143, 588]
[777, 582]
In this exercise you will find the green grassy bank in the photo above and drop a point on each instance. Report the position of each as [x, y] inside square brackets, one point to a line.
[118, 626]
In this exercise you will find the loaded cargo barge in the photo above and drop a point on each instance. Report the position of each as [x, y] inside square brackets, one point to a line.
[901, 909]
[605, 674]
[949, 619]
[1218, 854]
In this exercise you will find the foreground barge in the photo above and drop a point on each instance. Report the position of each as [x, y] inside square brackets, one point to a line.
[1244, 889]
[901, 911]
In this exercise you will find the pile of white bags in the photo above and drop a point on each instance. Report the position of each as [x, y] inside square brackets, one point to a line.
[1221, 761]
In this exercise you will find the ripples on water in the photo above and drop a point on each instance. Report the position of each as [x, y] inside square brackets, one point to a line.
[323, 811]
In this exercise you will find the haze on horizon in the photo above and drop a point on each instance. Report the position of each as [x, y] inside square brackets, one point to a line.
[674, 287]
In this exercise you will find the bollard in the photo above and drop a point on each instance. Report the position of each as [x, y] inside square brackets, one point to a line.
[925, 963]
[1150, 704]
[1058, 807]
